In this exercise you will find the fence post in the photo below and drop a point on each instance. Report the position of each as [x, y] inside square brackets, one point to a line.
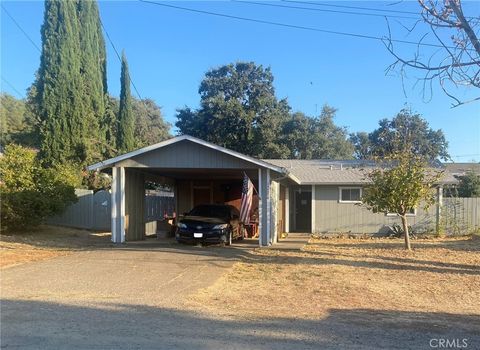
[438, 227]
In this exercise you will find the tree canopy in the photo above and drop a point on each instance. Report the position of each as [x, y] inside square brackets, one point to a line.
[16, 123]
[31, 193]
[469, 185]
[406, 128]
[68, 97]
[149, 128]
[318, 137]
[126, 119]
[238, 110]
[401, 183]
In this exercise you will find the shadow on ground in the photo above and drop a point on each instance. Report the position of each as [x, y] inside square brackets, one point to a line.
[468, 245]
[384, 263]
[320, 254]
[117, 326]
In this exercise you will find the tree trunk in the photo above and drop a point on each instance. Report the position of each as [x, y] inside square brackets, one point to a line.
[405, 231]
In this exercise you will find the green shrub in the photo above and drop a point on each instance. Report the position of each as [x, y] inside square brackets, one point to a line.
[469, 185]
[31, 193]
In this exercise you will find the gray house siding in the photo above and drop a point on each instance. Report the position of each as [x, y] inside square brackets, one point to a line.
[134, 205]
[332, 216]
[184, 201]
[186, 155]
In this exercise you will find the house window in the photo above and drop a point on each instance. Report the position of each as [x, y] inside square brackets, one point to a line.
[411, 212]
[350, 194]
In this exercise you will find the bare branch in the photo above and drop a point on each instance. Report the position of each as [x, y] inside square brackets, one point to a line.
[453, 66]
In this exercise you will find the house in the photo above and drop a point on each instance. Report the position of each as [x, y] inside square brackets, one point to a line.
[327, 199]
[307, 196]
[460, 169]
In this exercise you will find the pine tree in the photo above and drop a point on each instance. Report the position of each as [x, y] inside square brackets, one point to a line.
[69, 94]
[126, 124]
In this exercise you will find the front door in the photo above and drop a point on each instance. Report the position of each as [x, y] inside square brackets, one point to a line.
[303, 211]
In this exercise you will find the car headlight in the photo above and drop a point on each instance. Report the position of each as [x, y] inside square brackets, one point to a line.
[181, 225]
[220, 227]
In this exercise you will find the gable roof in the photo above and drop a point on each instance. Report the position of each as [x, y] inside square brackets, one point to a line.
[324, 171]
[335, 172]
[112, 161]
[462, 168]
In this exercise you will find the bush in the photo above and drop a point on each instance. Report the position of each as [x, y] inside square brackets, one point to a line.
[31, 193]
[469, 185]
[96, 181]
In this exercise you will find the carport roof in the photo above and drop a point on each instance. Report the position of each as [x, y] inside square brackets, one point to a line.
[112, 161]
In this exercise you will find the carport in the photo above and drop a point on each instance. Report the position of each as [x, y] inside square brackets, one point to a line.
[199, 172]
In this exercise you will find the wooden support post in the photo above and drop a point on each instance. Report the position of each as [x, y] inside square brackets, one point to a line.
[260, 212]
[118, 204]
[287, 209]
[269, 209]
[313, 210]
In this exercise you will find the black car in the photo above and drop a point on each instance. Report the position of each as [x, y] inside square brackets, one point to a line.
[216, 223]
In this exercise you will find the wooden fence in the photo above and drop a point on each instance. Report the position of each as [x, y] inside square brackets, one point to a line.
[92, 211]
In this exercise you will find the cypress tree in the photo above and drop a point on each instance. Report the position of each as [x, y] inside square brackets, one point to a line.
[57, 89]
[69, 94]
[126, 124]
[94, 74]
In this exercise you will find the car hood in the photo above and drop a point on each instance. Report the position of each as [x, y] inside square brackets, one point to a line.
[194, 220]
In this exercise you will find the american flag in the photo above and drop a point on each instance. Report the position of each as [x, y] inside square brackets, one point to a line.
[247, 196]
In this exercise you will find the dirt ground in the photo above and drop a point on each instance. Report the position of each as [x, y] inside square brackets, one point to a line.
[438, 276]
[156, 294]
[46, 242]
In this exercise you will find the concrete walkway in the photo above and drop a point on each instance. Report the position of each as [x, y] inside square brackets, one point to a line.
[293, 242]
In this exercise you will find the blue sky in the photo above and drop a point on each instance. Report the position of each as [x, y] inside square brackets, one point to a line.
[170, 50]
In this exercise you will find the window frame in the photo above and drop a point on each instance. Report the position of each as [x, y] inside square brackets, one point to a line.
[341, 188]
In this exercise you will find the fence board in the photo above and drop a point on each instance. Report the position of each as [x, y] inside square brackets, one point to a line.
[79, 214]
[92, 211]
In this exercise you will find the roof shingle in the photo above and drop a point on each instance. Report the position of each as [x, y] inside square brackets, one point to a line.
[334, 172]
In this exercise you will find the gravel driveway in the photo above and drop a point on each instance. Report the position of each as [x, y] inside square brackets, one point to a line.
[132, 298]
[120, 298]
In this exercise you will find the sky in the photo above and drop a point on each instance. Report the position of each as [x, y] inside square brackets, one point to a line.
[170, 50]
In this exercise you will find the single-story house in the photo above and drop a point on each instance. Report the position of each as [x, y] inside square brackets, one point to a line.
[460, 169]
[310, 196]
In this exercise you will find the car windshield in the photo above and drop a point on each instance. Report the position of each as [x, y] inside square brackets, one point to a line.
[211, 211]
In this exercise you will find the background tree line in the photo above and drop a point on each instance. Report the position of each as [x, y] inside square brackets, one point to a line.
[68, 105]
[68, 119]
[238, 110]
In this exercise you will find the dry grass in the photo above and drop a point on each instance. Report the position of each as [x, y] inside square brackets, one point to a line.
[45, 242]
[440, 275]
